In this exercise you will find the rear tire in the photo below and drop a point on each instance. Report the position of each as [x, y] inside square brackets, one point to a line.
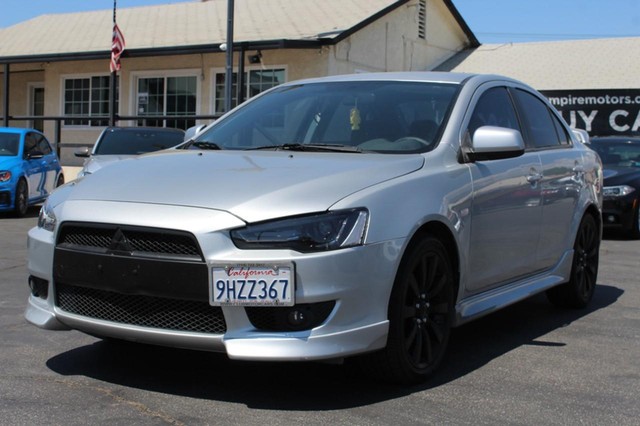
[420, 317]
[578, 292]
[21, 204]
[60, 180]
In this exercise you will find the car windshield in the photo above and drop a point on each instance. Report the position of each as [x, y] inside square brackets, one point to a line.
[136, 141]
[9, 144]
[379, 116]
[614, 153]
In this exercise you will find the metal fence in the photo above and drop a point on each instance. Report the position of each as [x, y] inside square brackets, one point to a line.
[58, 120]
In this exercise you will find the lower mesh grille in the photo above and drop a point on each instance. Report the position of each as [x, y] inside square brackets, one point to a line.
[143, 311]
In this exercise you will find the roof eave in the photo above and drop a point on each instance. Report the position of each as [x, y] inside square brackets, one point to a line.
[167, 51]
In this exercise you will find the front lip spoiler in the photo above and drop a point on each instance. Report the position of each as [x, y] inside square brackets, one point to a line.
[248, 345]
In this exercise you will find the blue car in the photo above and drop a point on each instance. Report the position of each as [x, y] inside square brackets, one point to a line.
[29, 169]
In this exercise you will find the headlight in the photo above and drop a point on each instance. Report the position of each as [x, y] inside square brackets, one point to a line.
[617, 191]
[46, 218]
[5, 175]
[312, 233]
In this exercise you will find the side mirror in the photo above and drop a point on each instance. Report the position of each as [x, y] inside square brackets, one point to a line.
[495, 143]
[582, 135]
[191, 132]
[82, 152]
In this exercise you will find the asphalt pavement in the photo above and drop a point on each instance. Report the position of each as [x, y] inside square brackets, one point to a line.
[531, 364]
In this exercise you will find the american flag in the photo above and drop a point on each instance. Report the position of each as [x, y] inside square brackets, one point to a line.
[117, 47]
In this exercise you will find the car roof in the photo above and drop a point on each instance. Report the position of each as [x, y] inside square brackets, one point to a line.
[421, 76]
[17, 130]
[149, 129]
[615, 139]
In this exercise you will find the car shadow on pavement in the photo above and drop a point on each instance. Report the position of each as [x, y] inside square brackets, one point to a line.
[33, 211]
[304, 386]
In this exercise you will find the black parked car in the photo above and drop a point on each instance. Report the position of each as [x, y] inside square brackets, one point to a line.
[621, 158]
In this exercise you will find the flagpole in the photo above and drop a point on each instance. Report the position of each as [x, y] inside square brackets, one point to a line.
[228, 81]
[112, 82]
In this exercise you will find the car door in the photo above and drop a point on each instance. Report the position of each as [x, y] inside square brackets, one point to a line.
[49, 162]
[506, 210]
[33, 166]
[562, 175]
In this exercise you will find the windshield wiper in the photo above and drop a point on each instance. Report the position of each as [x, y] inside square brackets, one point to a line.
[203, 145]
[311, 147]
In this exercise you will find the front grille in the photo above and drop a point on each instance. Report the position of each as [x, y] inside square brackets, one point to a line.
[5, 198]
[143, 311]
[136, 240]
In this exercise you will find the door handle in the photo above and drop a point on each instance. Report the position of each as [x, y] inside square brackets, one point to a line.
[534, 177]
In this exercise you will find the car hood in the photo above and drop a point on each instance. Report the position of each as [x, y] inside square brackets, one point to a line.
[8, 162]
[620, 175]
[253, 186]
[97, 162]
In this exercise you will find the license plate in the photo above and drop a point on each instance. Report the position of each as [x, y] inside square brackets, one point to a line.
[252, 285]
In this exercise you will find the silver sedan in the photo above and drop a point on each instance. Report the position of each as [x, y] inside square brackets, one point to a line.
[357, 216]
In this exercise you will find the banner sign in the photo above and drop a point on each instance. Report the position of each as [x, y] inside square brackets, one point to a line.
[600, 112]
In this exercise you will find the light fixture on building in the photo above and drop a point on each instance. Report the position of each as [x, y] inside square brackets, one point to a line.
[256, 59]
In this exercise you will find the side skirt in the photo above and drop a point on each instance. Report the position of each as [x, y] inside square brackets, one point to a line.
[485, 303]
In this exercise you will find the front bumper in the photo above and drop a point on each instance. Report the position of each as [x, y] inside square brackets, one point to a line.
[619, 213]
[357, 282]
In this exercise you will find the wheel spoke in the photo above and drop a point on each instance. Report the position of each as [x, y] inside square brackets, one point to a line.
[438, 330]
[414, 286]
[440, 308]
[417, 348]
[428, 347]
[409, 311]
[409, 341]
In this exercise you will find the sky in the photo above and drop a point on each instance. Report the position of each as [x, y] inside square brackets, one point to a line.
[492, 21]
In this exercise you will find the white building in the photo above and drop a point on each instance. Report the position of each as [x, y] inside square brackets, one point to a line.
[57, 66]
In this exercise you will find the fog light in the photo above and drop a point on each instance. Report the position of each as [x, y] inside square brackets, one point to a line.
[611, 219]
[303, 316]
[299, 319]
[39, 287]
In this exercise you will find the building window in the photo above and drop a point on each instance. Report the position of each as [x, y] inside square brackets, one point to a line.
[88, 96]
[172, 96]
[422, 19]
[255, 82]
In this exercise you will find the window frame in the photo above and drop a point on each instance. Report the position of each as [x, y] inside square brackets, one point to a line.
[135, 76]
[247, 70]
[557, 124]
[90, 117]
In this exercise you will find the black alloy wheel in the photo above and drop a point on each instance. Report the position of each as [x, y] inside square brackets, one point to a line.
[578, 292]
[21, 204]
[420, 316]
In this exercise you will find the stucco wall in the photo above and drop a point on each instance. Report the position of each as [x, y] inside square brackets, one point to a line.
[22, 76]
[392, 43]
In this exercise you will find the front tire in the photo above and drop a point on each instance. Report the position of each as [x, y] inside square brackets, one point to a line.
[578, 292]
[21, 204]
[635, 224]
[420, 316]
